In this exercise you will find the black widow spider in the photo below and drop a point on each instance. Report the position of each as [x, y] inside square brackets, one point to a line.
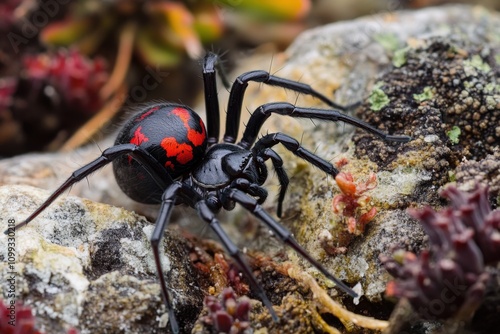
[163, 154]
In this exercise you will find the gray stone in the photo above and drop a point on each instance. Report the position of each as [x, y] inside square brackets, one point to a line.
[80, 261]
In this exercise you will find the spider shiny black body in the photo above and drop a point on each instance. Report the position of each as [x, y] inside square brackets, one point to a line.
[165, 154]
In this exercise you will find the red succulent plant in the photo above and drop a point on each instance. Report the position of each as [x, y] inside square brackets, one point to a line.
[230, 314]
[353, 201]
[76, 78]
[449, 279]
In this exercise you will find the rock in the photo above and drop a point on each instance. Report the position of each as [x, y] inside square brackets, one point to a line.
[424, 79]
[49, 170]
[485, 171]
[81, 261]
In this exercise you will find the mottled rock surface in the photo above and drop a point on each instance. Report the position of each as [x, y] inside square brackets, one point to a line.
[87, 265]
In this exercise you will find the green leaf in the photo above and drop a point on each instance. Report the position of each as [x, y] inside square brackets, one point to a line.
[453, 134]
[378, 99]
[427, 94]
[65, 33]
[154, 53]
[271, 10]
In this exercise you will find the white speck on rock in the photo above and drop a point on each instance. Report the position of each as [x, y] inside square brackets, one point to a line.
[359, 290]
[431, 138]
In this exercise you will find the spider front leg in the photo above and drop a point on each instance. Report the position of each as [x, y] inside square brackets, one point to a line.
[262, 156]
[250, 188]
[281, 232]
[148, 162]
[210, 64]
[262, 149]
[238, 91]
[262, 113]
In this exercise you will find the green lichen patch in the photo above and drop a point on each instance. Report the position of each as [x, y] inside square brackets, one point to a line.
[427, 94]
[474, 64]
[390, 42]
[492, 88]
[378, 99]
[454, 134]
[399, 58]
[461, 96]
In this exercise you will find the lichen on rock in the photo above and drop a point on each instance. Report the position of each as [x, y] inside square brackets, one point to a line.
[80, 261]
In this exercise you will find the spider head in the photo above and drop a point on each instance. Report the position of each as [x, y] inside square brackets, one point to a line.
[240, 164]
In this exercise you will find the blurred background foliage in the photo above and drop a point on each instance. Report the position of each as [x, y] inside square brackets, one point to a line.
[68, 67]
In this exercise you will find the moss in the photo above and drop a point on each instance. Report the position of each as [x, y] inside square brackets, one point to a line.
[463, 95]
[427, 94]
[453, 134]
[475, 63]
[492, 88]
[378, 99]
[399, 58]
[390, 42]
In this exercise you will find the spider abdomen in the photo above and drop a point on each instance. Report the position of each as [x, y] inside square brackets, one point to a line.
[173, 134]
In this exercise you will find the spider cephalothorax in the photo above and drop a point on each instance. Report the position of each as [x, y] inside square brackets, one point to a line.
[164, 154]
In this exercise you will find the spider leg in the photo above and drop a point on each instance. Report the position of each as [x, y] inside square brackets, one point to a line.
[282, 233]
[262, 147]
[262, 113]
[238, 91]
[148, 162]
[251, 188]
[211, 99]
[193, 199]
[277, 162]
[208, 216]
[167, 204]
[294, 146]
[210, 65]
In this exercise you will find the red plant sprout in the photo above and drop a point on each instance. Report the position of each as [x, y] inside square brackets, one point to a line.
[352, 201]
[7, 89]
[340, 163]
[18, 319]
[77, 79]
[230, 314]
[232, 274]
